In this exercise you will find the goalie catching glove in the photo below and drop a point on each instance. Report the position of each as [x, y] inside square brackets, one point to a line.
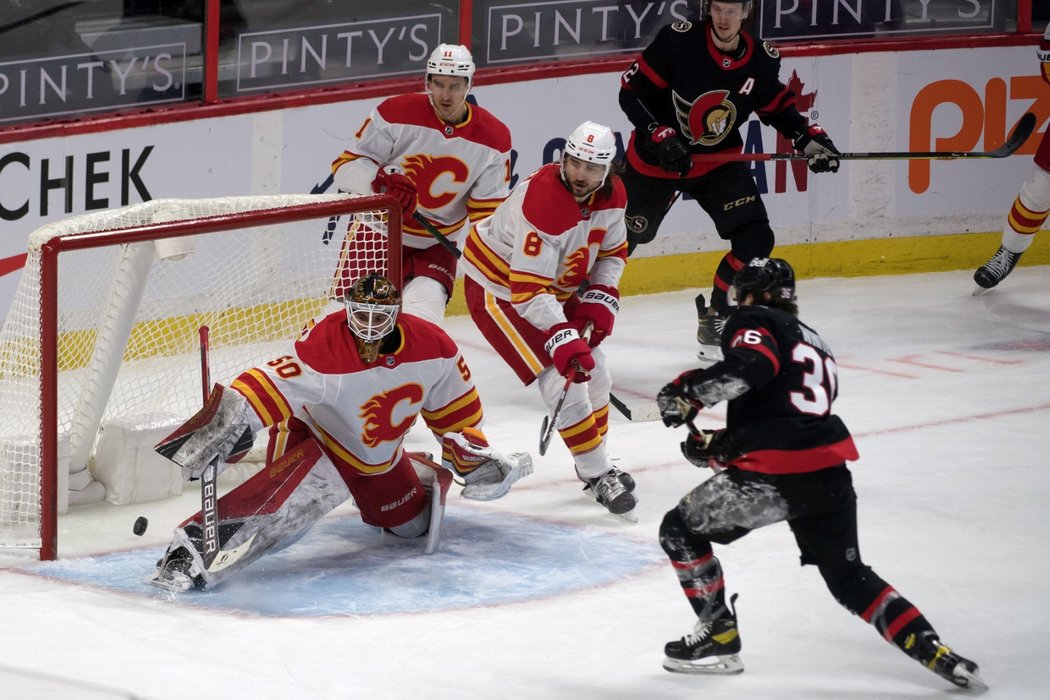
[486, 473]
[220, 432]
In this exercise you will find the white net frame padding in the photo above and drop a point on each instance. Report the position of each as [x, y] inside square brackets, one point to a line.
[104, 325]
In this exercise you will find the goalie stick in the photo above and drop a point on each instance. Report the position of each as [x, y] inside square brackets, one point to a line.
[209, 493]
[1020, 134]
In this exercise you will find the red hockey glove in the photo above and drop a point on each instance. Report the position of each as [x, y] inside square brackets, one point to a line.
[598, 306]
[571, 355]
[671, 150]
[816, 144]
[676, 407]
[390, 180]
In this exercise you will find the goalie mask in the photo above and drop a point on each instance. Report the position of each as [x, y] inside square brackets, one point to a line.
[773, 275]
[592, 143]
[372, 306]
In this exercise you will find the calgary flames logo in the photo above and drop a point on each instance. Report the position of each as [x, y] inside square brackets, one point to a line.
[575, 269]
[425, 171]
[708, 119]
[378, 414]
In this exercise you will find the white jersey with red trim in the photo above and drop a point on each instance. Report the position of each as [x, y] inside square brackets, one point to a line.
[361, 413]
[460, 171]
[541, 244]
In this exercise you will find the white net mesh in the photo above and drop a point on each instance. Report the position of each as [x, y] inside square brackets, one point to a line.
[129, 314]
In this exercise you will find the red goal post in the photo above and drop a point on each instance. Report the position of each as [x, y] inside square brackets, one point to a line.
[101, 340]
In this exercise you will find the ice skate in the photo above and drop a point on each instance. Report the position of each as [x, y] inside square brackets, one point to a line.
[177, 572]
[708, 331]
[711, 648]
[949, 665]
[995, 270]
[626, 479]
[612, 491]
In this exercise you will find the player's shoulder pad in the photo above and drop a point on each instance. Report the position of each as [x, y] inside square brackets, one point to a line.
[547, 204]
[491, 130]
[410, 108]
[617, 198]
[422, 335]
[329, 347]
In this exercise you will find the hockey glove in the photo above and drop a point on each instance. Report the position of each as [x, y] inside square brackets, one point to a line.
[219, 432]
[816, 144]
[571, 354]
[676, 408]
[487, 474]
[598, 306]
[705, 449]
[671, 150]
[390, 180]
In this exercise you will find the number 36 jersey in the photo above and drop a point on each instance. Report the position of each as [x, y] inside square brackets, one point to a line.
[782, 423]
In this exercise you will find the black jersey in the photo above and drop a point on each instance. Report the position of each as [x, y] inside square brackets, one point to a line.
[684, 81]
[784, 380]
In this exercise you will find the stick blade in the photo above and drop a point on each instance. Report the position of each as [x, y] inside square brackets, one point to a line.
[1025, 127]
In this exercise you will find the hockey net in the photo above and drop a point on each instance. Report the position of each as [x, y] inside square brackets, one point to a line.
[101, 341]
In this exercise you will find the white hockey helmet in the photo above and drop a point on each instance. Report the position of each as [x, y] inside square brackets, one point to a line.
[372, 307]
[593, 143]
[452, 59]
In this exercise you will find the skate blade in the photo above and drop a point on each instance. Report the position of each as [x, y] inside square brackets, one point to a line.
[713, 665]
[981, 291]
[969, 680]
[628, 517]
[709, 354]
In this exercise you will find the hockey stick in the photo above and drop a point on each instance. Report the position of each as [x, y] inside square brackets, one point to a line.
[642, 412]
[547, 427]
[1020, 134]
[441, 238]
[209, 501]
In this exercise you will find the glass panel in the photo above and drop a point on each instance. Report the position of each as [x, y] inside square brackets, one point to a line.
[62, 59]
[508, 32]
[269, 45]
[804, 20]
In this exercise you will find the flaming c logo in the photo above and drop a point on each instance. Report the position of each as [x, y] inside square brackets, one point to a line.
[425, 171]
[378, 414]
[575, 269]
[708, 119]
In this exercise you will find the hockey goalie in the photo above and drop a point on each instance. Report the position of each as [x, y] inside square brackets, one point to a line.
[338, 407]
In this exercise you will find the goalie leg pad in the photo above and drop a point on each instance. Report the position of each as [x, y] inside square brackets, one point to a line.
[220, 431]
[436, 481]
[266, 513]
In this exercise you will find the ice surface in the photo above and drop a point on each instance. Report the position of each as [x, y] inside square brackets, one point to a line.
[543, 595]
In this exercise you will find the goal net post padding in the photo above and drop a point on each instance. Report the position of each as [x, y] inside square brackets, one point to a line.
[100, 352]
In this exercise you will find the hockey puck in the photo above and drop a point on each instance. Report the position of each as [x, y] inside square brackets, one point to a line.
[140, 526]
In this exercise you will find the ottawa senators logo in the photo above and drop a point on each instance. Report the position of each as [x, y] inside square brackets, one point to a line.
[433, 177]
[708, 119]
[378, 414]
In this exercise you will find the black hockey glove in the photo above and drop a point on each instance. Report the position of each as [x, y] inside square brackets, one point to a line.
[671, 150]
[816, 144]
[675, 407]
[705, 448]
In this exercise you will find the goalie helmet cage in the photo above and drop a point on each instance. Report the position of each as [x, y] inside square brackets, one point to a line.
[103, 328]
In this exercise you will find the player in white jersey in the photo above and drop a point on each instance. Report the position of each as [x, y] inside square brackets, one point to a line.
[1030, 208]
[440, 156]
[352, 386]
[560, 229]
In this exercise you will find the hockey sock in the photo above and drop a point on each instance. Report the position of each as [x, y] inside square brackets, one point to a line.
[698, 569]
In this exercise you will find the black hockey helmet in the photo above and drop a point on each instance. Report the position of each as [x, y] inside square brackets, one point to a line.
[705, 7]
[773, 275]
